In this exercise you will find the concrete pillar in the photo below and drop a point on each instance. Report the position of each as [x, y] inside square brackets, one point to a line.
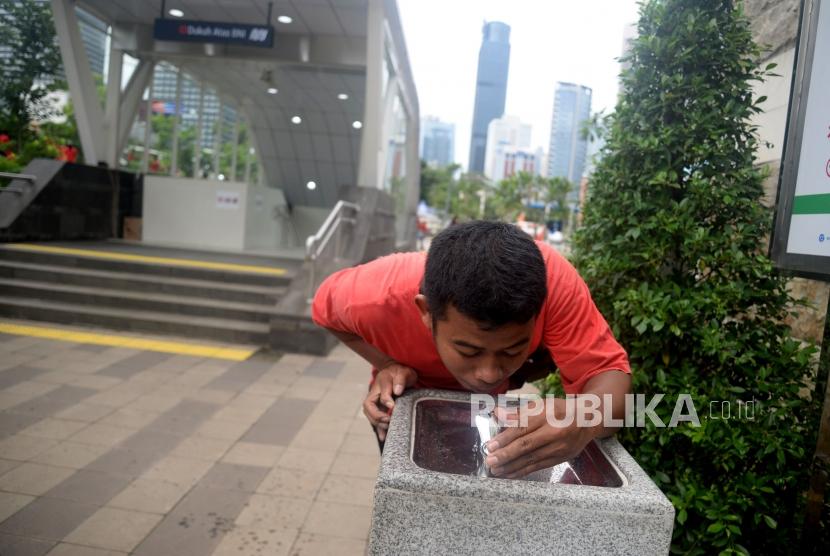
[113, 109]
[197, 144]
[370, 143]
[177, 119]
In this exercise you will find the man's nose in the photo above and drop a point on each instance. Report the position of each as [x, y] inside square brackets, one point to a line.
[490, 372]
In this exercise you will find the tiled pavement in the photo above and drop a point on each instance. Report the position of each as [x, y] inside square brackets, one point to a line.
[110, 450]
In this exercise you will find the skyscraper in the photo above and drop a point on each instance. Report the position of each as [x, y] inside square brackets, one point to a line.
[571, 108]
[491, 87]
[437, 142]
[505, 135]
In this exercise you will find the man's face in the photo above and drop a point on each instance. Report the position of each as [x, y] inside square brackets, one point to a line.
[481, 360]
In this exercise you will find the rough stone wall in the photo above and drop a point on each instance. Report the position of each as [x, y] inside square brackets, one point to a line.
[775, 27]
[774, 23]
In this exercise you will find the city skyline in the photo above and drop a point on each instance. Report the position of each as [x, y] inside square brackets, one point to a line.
[550, 42]
[568, 147]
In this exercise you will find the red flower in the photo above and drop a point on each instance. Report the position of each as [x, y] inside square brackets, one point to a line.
[3, 138]
[10, 155]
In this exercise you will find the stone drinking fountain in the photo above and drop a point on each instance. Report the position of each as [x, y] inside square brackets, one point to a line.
[433, 494]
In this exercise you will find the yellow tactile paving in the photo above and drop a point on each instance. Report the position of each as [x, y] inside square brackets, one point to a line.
[178, 348]
[116, 256]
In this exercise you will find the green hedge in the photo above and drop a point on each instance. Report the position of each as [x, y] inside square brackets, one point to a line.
[673, 246]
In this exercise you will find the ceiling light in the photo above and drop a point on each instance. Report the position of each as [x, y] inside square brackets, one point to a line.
[296, 120]
[311, 186]
[343, 96]
[175, 12]
[285, 19]
[357, 124]
[272, 90]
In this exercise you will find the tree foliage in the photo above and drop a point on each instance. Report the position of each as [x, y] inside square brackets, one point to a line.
[26, 76]
[673, 247]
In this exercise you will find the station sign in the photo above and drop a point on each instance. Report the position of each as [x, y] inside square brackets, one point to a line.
[183, 30]
[801, 238]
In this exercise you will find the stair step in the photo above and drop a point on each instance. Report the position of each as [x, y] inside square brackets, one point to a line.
[224, 291]
[264, 277]
[142, 301]
[224, 330]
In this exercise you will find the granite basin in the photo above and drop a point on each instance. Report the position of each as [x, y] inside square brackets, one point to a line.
[428, 499]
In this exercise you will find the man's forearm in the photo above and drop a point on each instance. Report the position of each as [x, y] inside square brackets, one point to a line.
[374, 356]
[615, 383]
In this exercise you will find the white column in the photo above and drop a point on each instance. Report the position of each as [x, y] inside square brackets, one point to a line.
[234, 152]
[113, 109]
[148, 128]
[131, 99]
[217, 141]
[177, 119]
[88, 113]
[370, 143]
[197, 145]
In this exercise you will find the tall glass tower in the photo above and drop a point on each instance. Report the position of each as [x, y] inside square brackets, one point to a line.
[491, 87]
[571, 108]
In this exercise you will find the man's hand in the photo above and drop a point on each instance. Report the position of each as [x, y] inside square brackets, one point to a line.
[519, 451]
[391, 380]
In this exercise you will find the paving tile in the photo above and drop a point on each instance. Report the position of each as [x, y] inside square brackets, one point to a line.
[223, 430]
[13, 545]
[54, 400]
[240, 414]
[33, 478]
[48, 518]
[7, 465]
[22, 447]
[87, 412]
[211, 395]
[185, 417]
[130, 417]
[307, 393]
[280, 423]
[356, 465]
[250, 453]
[151, 441]
[318, 439]
[149, 495]
[198, 447]
[15, 375]
[70, 454]
[229, 476]
[132, 365]
[102, 435]
[89, 487]
[308, 544]
[322, 368]
[240, 375]
[114, 529]
[120, 461]
[181, 471]
[268, 511]
[92, 348]
[10, 503]
[196, 525]
[66, 549]
[256, 541]
[96, 382]
[312, 460]
[56, 429]
[347, 490]
[340, 520]
[292, 483]
[266, 389]
[363, 443]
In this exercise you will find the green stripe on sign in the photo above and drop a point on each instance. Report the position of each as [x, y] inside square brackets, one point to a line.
[812, 204]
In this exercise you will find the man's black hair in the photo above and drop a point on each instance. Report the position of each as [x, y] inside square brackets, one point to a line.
[491, 272]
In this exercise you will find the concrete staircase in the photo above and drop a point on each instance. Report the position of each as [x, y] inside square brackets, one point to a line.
[233, 304]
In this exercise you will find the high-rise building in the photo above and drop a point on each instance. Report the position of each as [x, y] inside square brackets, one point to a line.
[164, 101]
[491, 88]
[571, 109]
[437, 142]
[505, 135]
[94, 36]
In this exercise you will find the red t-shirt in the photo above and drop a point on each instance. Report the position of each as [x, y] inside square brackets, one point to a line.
[376, 302]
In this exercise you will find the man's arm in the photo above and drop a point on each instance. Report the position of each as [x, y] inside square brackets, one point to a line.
[392, 379]
[615, 383]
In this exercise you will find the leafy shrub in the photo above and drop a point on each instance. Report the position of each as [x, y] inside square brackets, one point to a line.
[673, 247]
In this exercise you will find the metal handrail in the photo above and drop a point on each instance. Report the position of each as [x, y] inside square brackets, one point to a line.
[26, 177]
[315, 244]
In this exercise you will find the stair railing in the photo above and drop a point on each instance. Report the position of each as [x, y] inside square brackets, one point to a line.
[343, 213]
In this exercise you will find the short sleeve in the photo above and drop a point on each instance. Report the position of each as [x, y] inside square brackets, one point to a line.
[576, 334]
[330, 308]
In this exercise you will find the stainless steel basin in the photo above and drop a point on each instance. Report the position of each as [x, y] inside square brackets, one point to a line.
[443, 440]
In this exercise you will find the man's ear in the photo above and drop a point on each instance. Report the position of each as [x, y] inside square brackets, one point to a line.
[426, 317]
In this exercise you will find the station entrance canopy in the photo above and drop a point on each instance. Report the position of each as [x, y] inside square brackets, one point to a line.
[340, 67]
